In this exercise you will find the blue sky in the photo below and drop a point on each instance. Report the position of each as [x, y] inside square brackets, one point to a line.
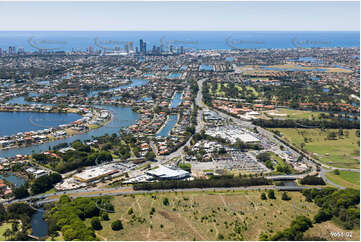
[297, 16]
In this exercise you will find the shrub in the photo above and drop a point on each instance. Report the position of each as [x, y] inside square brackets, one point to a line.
[263, 196]
[95, 223]
[104, 216]
[117, 225]
[165, 201]
[285, 197]
[312, 180]
[130, 211]
[271, 194]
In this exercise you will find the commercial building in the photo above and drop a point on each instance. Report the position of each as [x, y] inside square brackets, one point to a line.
[168, 173]
[95, 173]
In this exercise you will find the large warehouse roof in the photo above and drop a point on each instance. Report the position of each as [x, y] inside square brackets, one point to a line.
[164, 172]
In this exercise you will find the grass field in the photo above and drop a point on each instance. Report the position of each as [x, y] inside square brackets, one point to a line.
[346, 179]
[203, 216]
[343, 152]
[3, 227]
[294, 114]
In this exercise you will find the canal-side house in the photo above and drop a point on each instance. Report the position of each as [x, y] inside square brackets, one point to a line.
[4, 189]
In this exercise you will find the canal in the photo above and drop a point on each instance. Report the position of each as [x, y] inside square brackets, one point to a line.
[17, 181]
[168, 127]
[12, 123]
[38, 224]
[134, 83]
[176, 100]
[122, 117]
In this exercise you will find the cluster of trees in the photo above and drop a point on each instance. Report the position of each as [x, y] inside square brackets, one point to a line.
[18, 211]
[21, 192]
[265, 157]
[306, 123]
[312, 180]
[68, 217]
[204, 183]
[185, 166]
[82, 156]
[294, 232]
[45, 183]
[339, 205]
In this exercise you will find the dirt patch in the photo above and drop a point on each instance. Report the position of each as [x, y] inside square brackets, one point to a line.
[167, 216]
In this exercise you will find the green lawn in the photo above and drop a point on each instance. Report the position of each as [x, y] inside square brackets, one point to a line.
[298, 114]
[3, 227]
[255, 93]
[345, 178]
[343, 152]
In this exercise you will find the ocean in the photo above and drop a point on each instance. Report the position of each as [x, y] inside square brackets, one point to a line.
[191, 40]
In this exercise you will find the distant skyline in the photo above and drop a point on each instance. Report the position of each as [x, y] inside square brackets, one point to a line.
[179, 16]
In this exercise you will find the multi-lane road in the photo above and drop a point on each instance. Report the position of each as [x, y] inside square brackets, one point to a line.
[92, 192]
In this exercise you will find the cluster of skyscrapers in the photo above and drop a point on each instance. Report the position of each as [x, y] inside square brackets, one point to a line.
[113, 48]
[11, 51]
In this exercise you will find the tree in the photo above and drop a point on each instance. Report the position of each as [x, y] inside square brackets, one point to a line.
[263, 196]
[45, 183]
[7, 233]
[150, 155]
[14, 226]
[332, 135]
[269, 164]
[64, 199]
[117, 225]
[271, 194]
[312, 180]
[130, 211]
[95, 223]
[3, 214]
[165, 201]
[21, 192]
[104, 216]
[323, 215]
[285, 196]
[263, 157]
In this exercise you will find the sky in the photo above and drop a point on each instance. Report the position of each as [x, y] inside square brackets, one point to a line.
[272, 16]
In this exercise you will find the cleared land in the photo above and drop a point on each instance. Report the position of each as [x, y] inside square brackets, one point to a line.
[203, 216]
[342, 152]
[346, 179]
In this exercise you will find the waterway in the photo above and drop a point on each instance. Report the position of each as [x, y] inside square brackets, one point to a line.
[38, 224]
[134, 83]
[12, 123]
[122, 117]
[168, 127]
[174, 75]
[22, 101]
[204, 67]
[17, 181]
[177, 99]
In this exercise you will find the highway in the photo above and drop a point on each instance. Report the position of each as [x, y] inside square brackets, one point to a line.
[84, 192]
[270, 136]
